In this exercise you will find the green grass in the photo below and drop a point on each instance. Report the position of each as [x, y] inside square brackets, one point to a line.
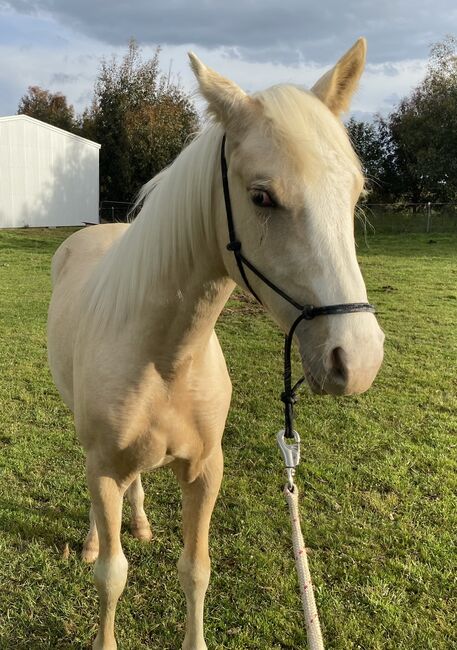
[377, 479]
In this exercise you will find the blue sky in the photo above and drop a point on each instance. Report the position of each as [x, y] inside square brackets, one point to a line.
[57, 44]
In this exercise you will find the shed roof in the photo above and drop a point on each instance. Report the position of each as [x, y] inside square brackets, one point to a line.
[27, 118]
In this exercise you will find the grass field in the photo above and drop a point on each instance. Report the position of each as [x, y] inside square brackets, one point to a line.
[378, 481]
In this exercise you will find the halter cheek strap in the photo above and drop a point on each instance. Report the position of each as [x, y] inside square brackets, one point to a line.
[307, 312]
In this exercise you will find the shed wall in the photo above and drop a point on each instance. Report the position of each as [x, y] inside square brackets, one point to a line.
[48, 177]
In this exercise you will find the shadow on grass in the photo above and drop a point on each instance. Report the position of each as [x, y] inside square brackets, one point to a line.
[54, 641]
[49, 524]
[15, 243]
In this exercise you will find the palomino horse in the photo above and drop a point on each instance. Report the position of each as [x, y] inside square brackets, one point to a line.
[132, 345]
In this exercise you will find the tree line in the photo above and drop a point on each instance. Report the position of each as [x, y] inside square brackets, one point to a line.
[142, 119]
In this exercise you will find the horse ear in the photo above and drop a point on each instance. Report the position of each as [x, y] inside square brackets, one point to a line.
[227, 102]
[338, 85]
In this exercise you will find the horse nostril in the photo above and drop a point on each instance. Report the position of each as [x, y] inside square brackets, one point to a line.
[337, 363]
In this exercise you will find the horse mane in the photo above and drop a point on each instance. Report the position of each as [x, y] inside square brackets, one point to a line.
[162, 243]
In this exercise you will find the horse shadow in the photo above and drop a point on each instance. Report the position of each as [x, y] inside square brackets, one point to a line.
[15, 522]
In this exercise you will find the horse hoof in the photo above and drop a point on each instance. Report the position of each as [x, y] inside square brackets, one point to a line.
[143, 532]
[89, 555]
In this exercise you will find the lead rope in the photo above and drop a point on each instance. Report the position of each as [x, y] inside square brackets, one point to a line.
[313, 628]
[291, 454]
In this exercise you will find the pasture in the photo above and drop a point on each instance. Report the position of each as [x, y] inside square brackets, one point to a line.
[377, 478]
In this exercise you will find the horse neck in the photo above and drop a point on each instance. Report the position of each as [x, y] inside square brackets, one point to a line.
[177, 264]
[183, 325]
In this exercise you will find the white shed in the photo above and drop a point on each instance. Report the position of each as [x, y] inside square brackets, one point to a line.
[48, 176]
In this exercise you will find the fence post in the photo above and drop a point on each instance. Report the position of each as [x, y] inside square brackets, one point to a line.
[429, 215]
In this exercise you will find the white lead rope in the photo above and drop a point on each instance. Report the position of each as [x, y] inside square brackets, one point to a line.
[313, 628]
[291, 454]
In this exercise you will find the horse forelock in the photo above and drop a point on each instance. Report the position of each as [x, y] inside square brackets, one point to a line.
[306, 127]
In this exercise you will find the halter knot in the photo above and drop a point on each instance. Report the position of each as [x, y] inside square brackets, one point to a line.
[234, 246]
[308, 312]
[289, 398]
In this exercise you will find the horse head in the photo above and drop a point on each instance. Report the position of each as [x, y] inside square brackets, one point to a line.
[294, 183]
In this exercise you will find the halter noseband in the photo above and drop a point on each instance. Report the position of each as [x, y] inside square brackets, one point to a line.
[307, 312]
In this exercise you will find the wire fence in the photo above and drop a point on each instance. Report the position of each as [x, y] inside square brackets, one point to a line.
[114, 211]
[371, 218]
[410, 217]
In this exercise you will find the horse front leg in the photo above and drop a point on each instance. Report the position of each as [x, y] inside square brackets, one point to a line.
[111, 566]
[199, 498]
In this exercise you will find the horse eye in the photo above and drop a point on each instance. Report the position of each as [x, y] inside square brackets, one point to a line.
[262, 199]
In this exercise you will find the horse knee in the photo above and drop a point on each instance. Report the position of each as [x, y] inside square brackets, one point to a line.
[110, 576]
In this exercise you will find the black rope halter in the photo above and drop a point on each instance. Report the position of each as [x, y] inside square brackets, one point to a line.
[307, 312]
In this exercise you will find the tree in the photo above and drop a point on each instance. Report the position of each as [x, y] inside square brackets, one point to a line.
[409, 156]
[141, 119]
[48, 107]
[421, 140]
[368, 142]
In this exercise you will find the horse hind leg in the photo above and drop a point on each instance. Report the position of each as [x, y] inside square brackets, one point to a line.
[90, 548]
[139, 523]
[110, 570]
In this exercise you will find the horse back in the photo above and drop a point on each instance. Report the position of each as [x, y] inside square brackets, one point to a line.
[84, 248]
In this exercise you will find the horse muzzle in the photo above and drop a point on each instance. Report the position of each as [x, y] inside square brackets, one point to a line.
[346, 369]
